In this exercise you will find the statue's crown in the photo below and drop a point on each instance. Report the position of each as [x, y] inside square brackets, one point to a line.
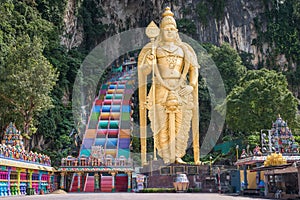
[168, 12]
[167, 18]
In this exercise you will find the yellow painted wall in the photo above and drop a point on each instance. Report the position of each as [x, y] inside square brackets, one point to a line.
[251, 177]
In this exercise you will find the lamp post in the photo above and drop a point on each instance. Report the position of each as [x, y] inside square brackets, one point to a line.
[237, 154]
[248, 147]
[210, 165]
[151, 162]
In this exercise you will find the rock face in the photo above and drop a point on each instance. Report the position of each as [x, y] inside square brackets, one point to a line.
[73, 33]
[235, 26]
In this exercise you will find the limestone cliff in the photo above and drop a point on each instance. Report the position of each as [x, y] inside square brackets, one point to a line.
[72, 33]
[235, 24]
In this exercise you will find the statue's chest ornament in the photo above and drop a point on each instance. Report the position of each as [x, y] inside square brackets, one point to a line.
[171, 55]
[172, 60]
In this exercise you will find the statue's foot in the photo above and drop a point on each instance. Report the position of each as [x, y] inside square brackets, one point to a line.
[167, 162]
[180, 161]
[198, 162]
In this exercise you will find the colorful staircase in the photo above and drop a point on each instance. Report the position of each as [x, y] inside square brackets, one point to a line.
[109, 126]
[74, 183]
[89, 184]
[110, 120]
[106, 183]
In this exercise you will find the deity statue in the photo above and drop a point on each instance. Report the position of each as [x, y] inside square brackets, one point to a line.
[172, 102]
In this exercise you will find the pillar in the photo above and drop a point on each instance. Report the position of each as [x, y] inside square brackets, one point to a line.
[30, 178]
[49, 182]
[267, 184]
[79, 183]
[1, 177]
[8, 181]
[245, 177]
[100, 179]
[96, 182]
[129, 181]
[298, 180]
[40, 181]
[113, 181]
[257, 176]
[19, 181]
[62, 180]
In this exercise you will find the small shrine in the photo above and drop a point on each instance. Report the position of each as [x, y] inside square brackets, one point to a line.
[282, 139]
[278, 149]
[23, 172]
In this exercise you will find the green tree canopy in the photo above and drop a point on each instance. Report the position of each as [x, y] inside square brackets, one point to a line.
[258, 99]
[31, 58]
[27, 80]
[27, 77]
[229, 64]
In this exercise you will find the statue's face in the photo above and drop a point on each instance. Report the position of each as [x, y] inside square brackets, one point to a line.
[169, 33]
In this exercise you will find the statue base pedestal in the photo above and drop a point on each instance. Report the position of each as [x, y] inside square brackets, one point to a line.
[160, 175]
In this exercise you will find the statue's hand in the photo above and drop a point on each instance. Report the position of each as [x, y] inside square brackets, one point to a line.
[147, 67]
[151, 59]
[186, 90]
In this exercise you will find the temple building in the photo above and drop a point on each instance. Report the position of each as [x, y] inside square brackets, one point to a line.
[272, 167]
[23, 172]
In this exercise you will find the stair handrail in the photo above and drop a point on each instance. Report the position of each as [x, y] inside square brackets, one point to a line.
[71, 186]
[86, 178]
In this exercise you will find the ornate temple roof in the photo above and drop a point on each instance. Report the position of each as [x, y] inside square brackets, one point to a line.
[279, 140]
[13, 153]
[12, 136]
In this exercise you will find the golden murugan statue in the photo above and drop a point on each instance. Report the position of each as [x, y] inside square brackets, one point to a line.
[172, 101]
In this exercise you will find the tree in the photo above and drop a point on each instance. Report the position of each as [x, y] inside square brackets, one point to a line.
[56, 124]
[229, 64]
[19, 20]
[26, 75]
[27, 81]
[261, 96]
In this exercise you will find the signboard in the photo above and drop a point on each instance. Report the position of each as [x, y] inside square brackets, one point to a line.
[140, 178]
[140, 186]
[165, 171]
[178, 169]
[192, 170]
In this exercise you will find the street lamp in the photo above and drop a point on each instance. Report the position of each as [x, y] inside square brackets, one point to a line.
[210, 158]
[151, 167]
[248, 147]
[237, 153]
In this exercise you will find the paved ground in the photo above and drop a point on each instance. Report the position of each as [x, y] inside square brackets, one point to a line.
[132, 196]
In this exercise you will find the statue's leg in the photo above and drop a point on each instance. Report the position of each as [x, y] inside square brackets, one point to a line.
[183, 125]
[159, 122]
[164, 143]
[161, 137]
